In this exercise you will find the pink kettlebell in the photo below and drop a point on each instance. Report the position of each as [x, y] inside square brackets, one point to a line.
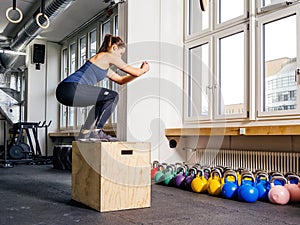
[278, 194]
[294, 189]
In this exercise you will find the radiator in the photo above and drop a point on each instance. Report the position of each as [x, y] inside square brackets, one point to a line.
[265, 160]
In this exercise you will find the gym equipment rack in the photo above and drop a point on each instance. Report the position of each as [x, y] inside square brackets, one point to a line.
[21, 152]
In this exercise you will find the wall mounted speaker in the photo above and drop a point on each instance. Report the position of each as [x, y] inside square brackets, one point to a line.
[38, 55]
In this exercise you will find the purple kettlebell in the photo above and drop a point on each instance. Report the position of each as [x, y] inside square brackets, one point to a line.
[188, 180]
[181, 174]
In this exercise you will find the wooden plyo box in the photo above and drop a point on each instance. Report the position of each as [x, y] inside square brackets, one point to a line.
[109, 176]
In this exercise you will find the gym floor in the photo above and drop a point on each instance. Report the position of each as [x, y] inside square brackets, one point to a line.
[39, 194]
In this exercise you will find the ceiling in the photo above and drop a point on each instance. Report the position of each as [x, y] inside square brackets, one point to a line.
[75, 15]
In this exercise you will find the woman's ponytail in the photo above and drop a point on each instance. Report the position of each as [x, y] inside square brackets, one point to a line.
[106, 43]
[110, 40]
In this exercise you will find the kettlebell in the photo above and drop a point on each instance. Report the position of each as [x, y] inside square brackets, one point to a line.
[262, 185]
[247, 192]
[181, 174]
[169, 174]
[154, 168]
[229, 178]
[214, 183]
[159, 175]
[277, 181]
[206, 172]
[189, 178]
[293, 187]
[199, 184]
[293, 180]
[240, 172]
[230, 187]
[278, 194]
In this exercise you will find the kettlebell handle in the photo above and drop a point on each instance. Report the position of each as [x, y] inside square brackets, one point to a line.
[161, 167]
[264, 175]
[155, 164]
[292, 177]
[216, 171]
[248, 175]
[278, 178]
[170, 168]
[181, 168]
[230, 173]
[194, 170]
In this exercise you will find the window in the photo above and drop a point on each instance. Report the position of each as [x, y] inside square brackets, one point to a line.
[254, 60]
[116, 27]
[279, 60]
[231, 73]
[82, 111]
[217, 62]
[63, 109]
[230, 9]
[198, 82]
[82, 50]
[106, 28]
[73, 65]
[198, 20]
[92, 43]
[268, 3]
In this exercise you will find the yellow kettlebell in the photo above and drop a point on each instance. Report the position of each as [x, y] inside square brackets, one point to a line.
[240, 172]
[214, 185]
[199, 183]
[229, 177]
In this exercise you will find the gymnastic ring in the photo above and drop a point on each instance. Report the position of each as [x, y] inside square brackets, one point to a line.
[20, 15]
[38, 22]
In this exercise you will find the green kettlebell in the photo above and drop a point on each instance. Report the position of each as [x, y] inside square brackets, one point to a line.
[159, 175]
[169, 174]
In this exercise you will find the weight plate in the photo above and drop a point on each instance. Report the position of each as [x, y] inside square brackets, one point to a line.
[16, 152]
[26, 147]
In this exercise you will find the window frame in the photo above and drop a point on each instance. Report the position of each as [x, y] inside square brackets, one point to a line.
[264, 18]
[62, 108]
[81, 110]
[216, 104]
[232, 21]
[71, 43]
[187, 24]
[188, 47]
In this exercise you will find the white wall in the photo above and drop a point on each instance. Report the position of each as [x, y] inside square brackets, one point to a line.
[154, 101]
[41, 102]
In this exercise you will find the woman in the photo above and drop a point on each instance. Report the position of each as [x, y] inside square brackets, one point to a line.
[79, 88]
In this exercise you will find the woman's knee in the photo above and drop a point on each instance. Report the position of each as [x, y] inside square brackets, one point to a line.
[115, 96]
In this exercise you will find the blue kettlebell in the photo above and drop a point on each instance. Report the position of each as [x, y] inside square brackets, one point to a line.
[263, 186]
[247, 191]
[230, 188]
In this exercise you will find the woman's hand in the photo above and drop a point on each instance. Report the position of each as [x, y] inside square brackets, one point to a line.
[145, 67]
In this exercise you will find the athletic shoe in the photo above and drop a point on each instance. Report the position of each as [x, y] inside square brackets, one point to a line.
[94, 136]
[83, 137]
[102, 136]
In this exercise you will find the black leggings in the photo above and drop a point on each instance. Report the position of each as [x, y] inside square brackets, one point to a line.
[81, 95]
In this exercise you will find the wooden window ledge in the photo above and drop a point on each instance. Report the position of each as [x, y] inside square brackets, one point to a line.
[235, 131]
